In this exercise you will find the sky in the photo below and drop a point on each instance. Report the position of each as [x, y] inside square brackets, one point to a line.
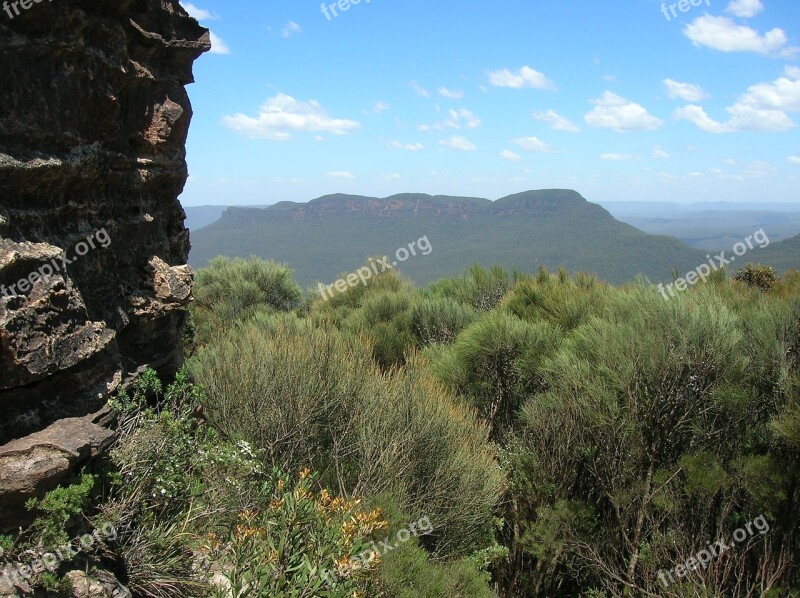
[636, 100]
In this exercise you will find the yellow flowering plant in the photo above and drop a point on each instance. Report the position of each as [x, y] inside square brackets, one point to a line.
[287, 547]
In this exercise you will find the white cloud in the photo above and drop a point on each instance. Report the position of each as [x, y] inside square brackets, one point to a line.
[419, 90]
[462, 118]
[451, 94]
[793, 159]
[391, 176]
[617, 157]
[781, 94]
[659, 154]
[282, 115]
[723, 34]
[684, 91]
[745, 8]
[456, 142]
[340, 174]
[377, 108]
[201, 14]
[556, 121]
[615, 112]
[762, 107]
[743, 118]
[218, 45]
[510, 156]
[524, 77]
[409, 147]
[457, 119]
[290, 28]
[759, 170]
[533, 144]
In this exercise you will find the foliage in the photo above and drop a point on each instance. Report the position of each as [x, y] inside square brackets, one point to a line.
[408, 573]
[758, 276]
[232, 290]
[301, 544]
[439, 320]
[564, 437]
[480, 288]
[491, 365]
[57, 510]
[319, 400]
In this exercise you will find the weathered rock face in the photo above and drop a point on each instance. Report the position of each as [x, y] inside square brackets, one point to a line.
[93, 123]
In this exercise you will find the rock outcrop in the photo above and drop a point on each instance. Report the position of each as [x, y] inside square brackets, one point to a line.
[93, 281]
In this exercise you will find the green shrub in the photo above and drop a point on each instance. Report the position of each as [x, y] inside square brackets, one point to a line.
[439, 320]
[491, 362]
[407, 572]
[319, 400]
[757, 276]
[389, 281]
[383, 319]
[298, 544]
[480, 288]
[231, 290]
[57, 511]
[557, 299]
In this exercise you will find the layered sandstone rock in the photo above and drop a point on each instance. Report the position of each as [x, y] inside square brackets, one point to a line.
[93, 123]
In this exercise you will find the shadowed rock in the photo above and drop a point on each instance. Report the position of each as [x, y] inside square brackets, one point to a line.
[93, 124]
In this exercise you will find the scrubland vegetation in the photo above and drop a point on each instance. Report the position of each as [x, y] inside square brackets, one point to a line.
[563, 436]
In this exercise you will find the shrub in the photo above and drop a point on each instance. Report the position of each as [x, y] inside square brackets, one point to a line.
[389, 281]
[439, 320]
[757, 276]
[383, 319]
[407, 572]
[319, 400]
[490, 365]
[231, 290]
[557, 299]
[480, 288]
[298, 544]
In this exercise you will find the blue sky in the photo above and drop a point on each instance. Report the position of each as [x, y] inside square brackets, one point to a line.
[617, 100]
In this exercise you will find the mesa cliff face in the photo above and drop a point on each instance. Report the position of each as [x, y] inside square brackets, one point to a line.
[93, 124]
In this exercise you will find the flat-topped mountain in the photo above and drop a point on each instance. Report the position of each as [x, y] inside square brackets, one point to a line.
[334, 234]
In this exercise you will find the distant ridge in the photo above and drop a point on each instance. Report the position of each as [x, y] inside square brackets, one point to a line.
[552, 227]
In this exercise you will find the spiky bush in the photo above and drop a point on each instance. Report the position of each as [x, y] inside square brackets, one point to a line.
[482, 289]
[491, 362]
[439, 320]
